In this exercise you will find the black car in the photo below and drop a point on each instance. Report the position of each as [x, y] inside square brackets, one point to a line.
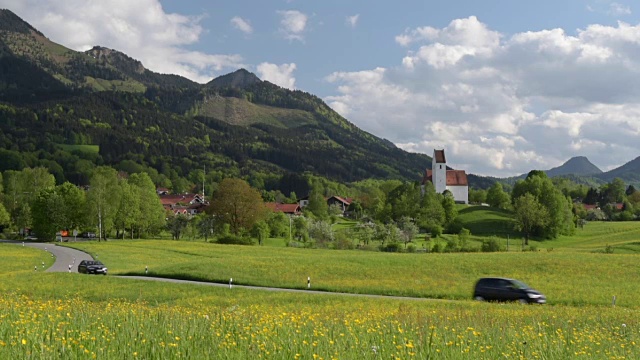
[92, 267]
[503, 289]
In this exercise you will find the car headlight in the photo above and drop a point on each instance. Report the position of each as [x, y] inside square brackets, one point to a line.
[534, 296]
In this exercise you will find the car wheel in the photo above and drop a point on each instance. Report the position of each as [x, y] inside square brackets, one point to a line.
[478, 298]
[523, 301]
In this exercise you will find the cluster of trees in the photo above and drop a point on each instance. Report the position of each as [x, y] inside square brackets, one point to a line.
[112, 204]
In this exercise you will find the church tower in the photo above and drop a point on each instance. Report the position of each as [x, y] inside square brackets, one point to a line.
[439, 171]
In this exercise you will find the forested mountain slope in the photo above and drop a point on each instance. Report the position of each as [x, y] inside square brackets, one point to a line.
[70, 111]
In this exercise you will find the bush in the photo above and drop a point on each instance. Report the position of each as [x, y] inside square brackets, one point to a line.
[411, 248]
[608, 249]
[437, 248]
[452, 245]
[231, 239]
[343, 244]
[455, 227]
[490, 245]
[391, 247]
[368, 247]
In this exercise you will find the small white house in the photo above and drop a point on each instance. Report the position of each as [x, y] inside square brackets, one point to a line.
[442, 179]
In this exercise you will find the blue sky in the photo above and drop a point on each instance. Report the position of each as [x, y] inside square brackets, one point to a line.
[504, 86]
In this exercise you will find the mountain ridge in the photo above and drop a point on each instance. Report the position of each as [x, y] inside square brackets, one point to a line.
[36, 73]
[135, 118]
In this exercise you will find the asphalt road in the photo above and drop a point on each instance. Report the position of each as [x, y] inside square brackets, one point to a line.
[64, 256]
[67, 256]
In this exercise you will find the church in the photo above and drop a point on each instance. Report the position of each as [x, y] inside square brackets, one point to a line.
[442, 179]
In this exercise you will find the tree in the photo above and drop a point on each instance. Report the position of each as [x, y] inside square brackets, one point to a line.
[408, 230]
[300, 228]
[613, 192]
[529, 215]
[317, 203]
[450, 210]
[128, 207]
[5, 218]
[237, 204]
[205, 224]
[151, 214]
[630, 190]
[260, 231]
[321, 232]
[477, 196]
[71, 207]
[278, 224]
[365, 232]
[355, 208]
[559, 208]
[497, 197]
[103, 199]
[431, 213]
[176, 225]
[46, 220]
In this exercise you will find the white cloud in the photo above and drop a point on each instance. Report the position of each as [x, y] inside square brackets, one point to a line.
[242, 25]
[353, 20]
[293, 24]
[617, 9]
[141, 29]
[281, 75]
[503, 105]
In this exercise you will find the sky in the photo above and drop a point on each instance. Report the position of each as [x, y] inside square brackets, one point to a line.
[503, 86]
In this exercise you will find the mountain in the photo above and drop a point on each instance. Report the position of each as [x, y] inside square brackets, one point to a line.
[70, 111]
[578, 165]
[238, 79]
[629, 172]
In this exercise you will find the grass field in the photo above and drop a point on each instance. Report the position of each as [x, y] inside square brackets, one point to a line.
[75, 316]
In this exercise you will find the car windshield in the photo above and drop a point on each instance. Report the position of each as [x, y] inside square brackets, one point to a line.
[94, 263]
[519, 284]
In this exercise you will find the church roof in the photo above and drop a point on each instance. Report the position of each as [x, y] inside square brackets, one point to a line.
[454, 177]
[439, 156]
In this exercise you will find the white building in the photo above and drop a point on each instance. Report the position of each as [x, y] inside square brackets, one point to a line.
[442, 179]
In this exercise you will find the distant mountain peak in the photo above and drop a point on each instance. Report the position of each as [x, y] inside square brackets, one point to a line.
[116, 58]
[240, 79]
[578, 165]
[11, 22]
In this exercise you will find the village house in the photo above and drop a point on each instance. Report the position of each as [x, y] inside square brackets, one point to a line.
[443, 179]
[288, 209]
[184, 204]
[343, 202]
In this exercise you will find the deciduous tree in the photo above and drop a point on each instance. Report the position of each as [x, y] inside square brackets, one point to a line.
[529, 215]
[237, 204]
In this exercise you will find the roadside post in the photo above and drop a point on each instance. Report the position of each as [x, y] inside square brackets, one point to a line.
[69, 267]
[146, 270]
[43, 264]
[308, 282]
[75, 235]
[230, 282]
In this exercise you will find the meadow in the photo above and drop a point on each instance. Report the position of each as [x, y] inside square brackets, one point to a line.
[569, 273]
[75, 316]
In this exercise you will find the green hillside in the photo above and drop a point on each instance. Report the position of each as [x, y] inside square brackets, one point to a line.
[140, 120]
[483, 220]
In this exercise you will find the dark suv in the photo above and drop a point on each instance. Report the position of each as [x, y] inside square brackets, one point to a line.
[92, 267]
[503, 289]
